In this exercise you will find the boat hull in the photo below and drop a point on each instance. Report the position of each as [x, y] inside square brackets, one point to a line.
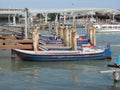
[114, 65]
[69, 56]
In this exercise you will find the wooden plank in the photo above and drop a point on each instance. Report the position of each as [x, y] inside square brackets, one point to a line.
[109, 71]
[54, 45]
[29, 46]
[16, 41]
[10, 37]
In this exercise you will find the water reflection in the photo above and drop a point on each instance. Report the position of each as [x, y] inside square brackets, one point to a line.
[86, 65]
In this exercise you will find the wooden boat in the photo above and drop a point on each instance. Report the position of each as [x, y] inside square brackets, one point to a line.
[51, 39]
[60, 55]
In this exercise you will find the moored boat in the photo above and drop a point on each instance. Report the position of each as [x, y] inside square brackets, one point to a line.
[69, 55]
[51, 39]
[116, 64]
[107, 28]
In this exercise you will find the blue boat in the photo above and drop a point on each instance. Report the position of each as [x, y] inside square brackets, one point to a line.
[52, 39]
[116, 64]
[66, 55]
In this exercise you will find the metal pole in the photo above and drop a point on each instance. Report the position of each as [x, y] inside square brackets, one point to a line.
[14, 19]
[113, 17]
[64, 18]
[9, 20]
[56, 24]
[26, 23]
[46, 18]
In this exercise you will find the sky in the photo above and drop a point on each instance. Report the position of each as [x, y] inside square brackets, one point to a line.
[59, 4]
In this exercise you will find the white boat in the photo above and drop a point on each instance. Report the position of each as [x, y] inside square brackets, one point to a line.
[107, 28]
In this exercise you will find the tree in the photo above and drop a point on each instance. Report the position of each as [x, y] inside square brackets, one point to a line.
[52, 16]
[39, 15]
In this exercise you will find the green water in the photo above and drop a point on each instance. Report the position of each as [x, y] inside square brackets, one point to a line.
[65, 75]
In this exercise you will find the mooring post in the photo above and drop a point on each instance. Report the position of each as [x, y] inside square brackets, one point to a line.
[35, 38]
[91, 34]
[65, 36]
[12, 54]
[61, 32]
[116, 76]
[73, 39]
[58, 28]
[94, 31]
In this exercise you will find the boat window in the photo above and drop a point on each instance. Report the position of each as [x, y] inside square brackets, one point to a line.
[104, 27]
[119, 27]
[115, 27]
[109, 26]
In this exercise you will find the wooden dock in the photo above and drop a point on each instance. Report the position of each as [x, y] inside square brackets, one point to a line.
[10, 42]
